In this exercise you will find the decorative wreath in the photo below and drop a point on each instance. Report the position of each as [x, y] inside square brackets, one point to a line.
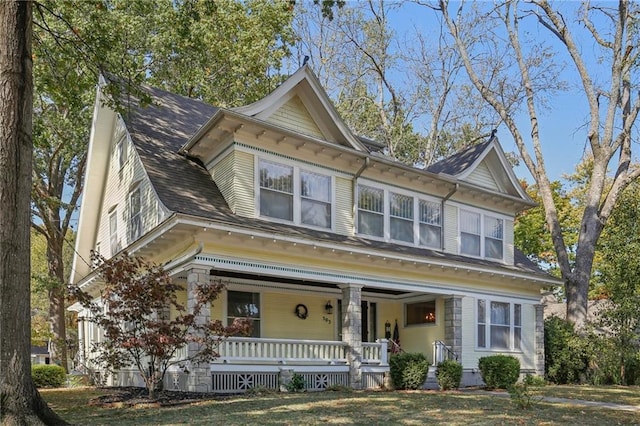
[301, 311]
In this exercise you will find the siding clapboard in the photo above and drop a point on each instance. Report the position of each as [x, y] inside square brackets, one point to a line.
[508, 242]
[344, 206]
[244, 183]
[223, 175]
[295, 116]
[482, 176]
[450, 229]
[120, 181]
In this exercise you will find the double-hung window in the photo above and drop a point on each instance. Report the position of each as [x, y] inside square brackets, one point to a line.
[292, 194]
[499, 325]
[481, 235]
[135, 215]
[430, 223]
[370, 211]
[315, 199]
[244, 306]
[113, 232]
[399, 217]
[276, 190]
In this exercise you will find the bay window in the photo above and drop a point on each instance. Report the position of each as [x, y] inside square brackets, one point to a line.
[499, 325]
[292, 194]
[481, 235]
[401, 217]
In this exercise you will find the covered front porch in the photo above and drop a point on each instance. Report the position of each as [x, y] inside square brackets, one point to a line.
[330, 334]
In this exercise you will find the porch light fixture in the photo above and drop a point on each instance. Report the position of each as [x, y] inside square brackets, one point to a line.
[387, 330]
[328, 307]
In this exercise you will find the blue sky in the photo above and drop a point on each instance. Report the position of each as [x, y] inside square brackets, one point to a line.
[563, 124]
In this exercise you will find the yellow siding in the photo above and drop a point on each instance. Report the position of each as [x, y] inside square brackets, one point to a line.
[344, 206]
[420, 338]
[450, 229]
[279, 320]
[118, 185]
[508, 242]
[481, 176]
[223, 175]
[294, 115]
[244, 182]
[471, 356]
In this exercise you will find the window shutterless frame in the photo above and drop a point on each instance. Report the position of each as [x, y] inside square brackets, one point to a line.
[291, 193]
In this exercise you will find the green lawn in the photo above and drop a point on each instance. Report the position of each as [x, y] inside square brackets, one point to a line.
[350, 408]
[629, 395]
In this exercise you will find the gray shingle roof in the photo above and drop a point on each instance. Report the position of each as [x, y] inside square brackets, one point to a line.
[184, 185]
[459, 162]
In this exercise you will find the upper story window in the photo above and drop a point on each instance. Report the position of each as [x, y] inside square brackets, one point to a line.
[499, 325]
[481, 235]
[135, 215]
[295, 195]
[401, 217]
[113, 232]
[122, 152]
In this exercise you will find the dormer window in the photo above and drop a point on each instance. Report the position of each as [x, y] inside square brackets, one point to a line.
[292, 194]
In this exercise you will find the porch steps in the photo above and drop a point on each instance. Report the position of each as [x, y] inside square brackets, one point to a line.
[431, 383]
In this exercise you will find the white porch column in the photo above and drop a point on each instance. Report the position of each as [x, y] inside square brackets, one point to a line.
[199, 377]
[352, 331]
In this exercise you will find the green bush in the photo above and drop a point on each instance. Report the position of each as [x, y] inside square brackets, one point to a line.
[48, 376]
[525, 394]
[449, 374]
[296, 384]
[566, 356]
[499, 371]
[408, 370]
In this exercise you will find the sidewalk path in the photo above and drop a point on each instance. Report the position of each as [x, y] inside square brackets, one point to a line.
[578, 402]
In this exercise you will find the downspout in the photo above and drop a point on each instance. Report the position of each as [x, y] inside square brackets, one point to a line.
[355, 190]
[444, 200]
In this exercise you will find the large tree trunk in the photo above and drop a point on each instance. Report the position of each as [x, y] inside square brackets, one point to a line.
[57, 295]
[21, 403]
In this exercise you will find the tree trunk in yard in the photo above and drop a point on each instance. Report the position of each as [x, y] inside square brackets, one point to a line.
[57, 295]
[20, 401]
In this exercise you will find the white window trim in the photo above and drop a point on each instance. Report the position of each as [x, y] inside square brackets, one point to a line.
[297, 197]
[487, 324]
[426, 324]
[483, 214]
[417, 197]
[112, 234]
[225, 306]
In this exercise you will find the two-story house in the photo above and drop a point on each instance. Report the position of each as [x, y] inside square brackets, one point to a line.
[325, 243]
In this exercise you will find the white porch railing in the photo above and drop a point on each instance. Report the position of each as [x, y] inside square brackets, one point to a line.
[290, 351]
[442, 352]
[235, 349]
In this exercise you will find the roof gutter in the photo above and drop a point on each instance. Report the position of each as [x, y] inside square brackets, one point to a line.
[182, 260]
